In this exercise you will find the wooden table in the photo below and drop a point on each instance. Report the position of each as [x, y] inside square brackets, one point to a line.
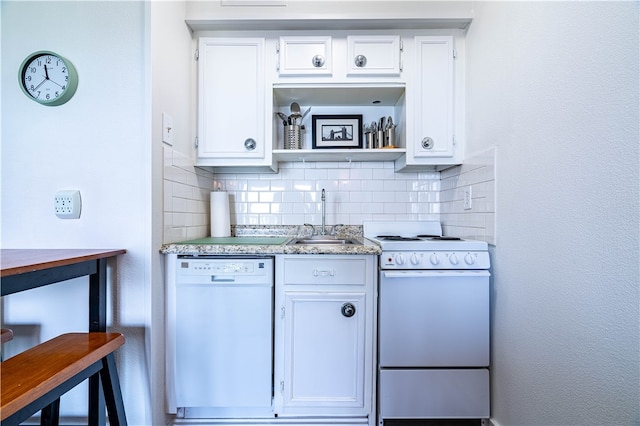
[25, 269]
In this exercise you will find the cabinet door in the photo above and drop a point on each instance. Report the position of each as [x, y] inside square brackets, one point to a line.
[305, 56]
[434, 103]
[231, 123]
[373, 55]
[324, 342]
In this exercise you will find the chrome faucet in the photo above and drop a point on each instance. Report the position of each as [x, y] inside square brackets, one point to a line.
[323, 231]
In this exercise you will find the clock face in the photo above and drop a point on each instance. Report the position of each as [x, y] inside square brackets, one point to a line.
[48, 78]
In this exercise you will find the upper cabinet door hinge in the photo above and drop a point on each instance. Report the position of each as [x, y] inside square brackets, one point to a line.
[400, 55]
[455, 54]
[277, 55]
[196, 55]
[196, 141]
[453, 139]
[282, 312]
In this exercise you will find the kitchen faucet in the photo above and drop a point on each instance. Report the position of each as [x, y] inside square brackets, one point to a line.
[323, 230]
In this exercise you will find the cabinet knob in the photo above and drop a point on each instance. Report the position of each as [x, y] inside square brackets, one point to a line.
[348, 310]
[360, 61]
[250, 144]
[317, 61]
[427, 143]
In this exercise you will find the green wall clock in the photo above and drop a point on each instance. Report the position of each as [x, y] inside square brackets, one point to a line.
[48, 78]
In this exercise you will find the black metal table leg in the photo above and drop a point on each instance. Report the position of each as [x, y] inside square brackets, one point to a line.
[97, 322]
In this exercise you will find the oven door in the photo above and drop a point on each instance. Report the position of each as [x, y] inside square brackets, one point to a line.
[433, 345]
[434, 319]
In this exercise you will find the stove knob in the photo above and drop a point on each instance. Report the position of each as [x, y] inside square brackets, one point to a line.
[453, 259]
[435, 260]
[469, 260]
[399, 259]
[415, 260]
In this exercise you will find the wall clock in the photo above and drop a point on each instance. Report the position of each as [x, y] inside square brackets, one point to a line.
[48, 78]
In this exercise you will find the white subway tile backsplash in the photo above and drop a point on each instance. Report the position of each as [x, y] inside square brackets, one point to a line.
[356, 192]
[479, 222]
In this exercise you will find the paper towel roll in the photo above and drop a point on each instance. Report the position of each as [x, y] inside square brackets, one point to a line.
[220, 215]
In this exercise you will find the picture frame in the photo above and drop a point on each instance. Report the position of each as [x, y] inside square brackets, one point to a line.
[336, 131]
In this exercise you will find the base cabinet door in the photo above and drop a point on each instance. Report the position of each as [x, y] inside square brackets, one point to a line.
[324, 329]
[324, 351]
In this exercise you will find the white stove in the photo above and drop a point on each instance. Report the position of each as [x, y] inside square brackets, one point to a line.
[421, 245]
[433, 324]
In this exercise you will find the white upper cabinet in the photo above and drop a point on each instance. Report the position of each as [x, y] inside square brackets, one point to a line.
[305, 56]
[340, 57]
[373, 55]
[434, 97]
[435, 134]
[246, 84]
[231, 103]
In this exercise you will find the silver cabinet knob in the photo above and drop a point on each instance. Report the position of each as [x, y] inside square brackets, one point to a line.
[427, 143]
[348, 310]
[317, 61]
[250, 144]
[360, 61]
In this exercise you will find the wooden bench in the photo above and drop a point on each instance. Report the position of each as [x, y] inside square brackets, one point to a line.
[35, 379]
[6, 335]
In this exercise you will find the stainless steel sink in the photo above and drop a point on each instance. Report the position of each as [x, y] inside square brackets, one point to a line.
[313, 241]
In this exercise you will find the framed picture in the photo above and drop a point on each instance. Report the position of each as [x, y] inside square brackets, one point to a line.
[336, 131]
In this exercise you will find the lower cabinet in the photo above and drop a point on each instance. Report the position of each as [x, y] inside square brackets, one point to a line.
[324, 337]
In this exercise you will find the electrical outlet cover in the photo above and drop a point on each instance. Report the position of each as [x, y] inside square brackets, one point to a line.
[67, 204]
[467, 198]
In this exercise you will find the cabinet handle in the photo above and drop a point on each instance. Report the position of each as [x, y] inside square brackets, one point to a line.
[317, 61]
[250, 144]
[348, 310]
[360, 61]
[324, 273]
[427, 143]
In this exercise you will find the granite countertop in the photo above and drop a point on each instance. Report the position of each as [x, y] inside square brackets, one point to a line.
[270, 240]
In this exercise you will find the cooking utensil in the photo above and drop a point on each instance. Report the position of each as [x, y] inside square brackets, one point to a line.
[283, 117]
[295, 112]
[305, 114]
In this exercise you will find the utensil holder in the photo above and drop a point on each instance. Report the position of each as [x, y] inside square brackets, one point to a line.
[381, 141]
[370, 140]
[292, 136]
[390, 137]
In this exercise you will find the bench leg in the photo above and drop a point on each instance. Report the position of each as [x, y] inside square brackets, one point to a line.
[50, 415]
[112, 391]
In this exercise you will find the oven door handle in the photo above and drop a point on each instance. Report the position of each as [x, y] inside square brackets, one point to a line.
[438, 273]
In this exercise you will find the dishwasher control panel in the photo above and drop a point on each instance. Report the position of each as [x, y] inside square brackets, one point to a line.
[199, 267]
[206, 268]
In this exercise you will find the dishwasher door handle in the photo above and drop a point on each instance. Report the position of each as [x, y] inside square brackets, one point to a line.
[222, 279]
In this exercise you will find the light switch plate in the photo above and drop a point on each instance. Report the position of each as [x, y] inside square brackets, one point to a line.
[167, 128]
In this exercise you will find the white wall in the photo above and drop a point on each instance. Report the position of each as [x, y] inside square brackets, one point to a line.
[97, 143]
[554, 86]
[172, 86]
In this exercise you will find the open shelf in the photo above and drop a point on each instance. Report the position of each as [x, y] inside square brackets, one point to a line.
[343, 155]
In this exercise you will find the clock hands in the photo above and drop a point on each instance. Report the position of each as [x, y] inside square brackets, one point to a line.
[46, 77]
[36, 88]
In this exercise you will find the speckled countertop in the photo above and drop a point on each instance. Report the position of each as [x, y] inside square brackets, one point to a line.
[268, 240]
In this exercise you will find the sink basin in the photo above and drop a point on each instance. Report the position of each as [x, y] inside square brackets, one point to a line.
[324, 241]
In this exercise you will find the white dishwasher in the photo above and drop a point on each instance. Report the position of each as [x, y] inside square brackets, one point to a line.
[219, 336]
